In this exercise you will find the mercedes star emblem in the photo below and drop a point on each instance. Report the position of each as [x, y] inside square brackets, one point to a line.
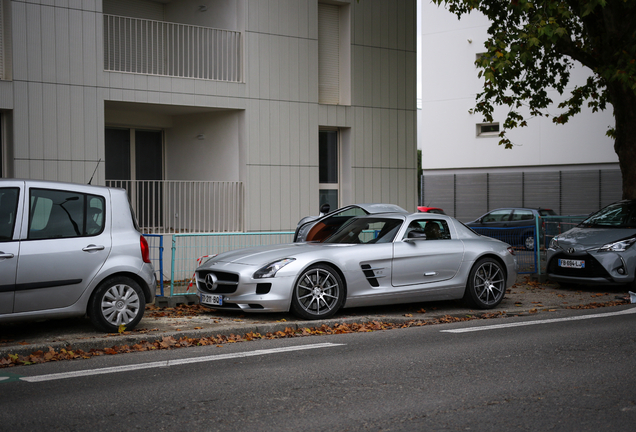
[211, 281]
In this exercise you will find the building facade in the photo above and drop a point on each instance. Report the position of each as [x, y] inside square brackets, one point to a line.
[570, 168]
[216, 115]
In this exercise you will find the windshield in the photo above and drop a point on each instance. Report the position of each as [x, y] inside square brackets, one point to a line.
[366, 231]
[618, 215]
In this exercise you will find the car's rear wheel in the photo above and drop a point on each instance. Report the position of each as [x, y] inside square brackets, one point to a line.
[317, 293]
[486, 284]
[528, 241]
[117, 301]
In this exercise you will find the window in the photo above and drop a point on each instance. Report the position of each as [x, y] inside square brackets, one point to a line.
[135, 154]
[62, 214]
[433, 229]
[488, 129]
[8, 208]
[520, 215]
[328, 168]
[497, 216]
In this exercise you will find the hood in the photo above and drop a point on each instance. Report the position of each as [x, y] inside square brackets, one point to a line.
[590, 238]
[258, 256]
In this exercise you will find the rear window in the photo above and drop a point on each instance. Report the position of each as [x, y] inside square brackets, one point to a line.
[547, 212]
[64, 214]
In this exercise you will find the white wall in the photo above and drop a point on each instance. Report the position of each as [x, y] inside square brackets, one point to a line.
[449, 86]
[215, 157]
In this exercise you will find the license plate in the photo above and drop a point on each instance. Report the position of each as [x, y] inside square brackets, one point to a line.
[210, 299]
[568, 263]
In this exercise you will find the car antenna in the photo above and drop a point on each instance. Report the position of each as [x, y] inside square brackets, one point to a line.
[89, 182]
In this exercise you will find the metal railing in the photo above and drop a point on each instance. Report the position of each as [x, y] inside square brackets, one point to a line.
[161, 48]
[171, 206]
[523, 240]
[553, 226]
[191, 250]
[155, 243]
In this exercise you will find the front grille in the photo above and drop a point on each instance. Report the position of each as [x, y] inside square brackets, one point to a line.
[593, 269]
[227, 283]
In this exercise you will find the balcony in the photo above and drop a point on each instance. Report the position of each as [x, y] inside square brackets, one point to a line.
[168, 207]
[168, 49]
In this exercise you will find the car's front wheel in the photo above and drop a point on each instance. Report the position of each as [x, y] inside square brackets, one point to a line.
[486, 284]
[317, 293]
[117, 301]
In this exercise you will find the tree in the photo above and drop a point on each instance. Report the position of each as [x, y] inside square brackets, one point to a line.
[532, 46]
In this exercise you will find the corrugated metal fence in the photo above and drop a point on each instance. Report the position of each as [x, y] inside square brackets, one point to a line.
[468, 196]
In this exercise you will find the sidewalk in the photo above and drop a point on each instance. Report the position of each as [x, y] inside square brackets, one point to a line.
[524, 298]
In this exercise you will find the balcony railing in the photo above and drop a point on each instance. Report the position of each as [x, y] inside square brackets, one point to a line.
[169, 206]
[169, 49]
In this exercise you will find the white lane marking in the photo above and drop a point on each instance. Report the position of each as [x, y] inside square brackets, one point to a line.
[547, 321]
[168, 363]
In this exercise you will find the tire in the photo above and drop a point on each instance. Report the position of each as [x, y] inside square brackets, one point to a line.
[486, 285]
[528, 241]
[117, 301]
[317, 293]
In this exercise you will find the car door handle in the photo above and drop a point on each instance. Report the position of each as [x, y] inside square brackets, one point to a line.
[92, 247]
[430, 273]
[6, 255]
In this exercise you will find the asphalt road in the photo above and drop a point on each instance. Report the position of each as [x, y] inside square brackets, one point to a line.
[569, 371]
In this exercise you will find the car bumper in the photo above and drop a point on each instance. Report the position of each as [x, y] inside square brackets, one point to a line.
[249, 295]
[600, 268]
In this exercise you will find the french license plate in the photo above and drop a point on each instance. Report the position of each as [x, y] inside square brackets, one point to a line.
[568, 263]
[211, 299]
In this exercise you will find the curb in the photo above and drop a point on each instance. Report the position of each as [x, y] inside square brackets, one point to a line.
[112, 340]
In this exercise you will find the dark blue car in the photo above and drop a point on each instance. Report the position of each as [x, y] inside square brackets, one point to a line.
[515, 225]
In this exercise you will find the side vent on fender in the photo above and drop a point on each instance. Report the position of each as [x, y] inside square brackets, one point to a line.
[371, 275]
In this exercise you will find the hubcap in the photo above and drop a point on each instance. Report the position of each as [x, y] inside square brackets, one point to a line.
[489, 283]
[318, 291]
[120, 304]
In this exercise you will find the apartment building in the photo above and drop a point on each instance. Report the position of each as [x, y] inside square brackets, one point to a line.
[570, 168]
[216, 115]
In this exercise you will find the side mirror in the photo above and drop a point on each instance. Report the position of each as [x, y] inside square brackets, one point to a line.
[324, 209]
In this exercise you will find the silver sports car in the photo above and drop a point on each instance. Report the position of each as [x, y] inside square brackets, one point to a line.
[371, 260]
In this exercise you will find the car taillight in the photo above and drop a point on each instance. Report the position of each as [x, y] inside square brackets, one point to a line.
[145, 249]
[511, 251]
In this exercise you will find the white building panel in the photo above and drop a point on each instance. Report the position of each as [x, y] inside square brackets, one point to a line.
[49, 120]
[36, 133]
[63, 119]
[62, 46]
[76, 33]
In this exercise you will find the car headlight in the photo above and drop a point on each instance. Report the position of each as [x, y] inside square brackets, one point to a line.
[619, 246]
[271, 269]
[554, 243]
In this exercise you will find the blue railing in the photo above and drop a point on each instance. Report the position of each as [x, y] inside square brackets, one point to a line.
[155, 242]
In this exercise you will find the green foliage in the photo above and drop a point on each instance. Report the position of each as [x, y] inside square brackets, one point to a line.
[532, 47]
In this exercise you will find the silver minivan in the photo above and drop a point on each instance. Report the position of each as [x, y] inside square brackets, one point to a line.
[72, 250]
